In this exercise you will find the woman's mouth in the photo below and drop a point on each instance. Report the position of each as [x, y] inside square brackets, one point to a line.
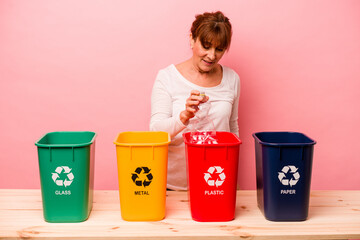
[208, 62]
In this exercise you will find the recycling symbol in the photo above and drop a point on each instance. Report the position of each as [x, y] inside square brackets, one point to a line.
[63, 176]
[142, 176]
[294, 175]
[209, 179]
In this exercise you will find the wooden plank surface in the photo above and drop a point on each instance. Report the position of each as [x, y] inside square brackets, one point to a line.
[332, 215]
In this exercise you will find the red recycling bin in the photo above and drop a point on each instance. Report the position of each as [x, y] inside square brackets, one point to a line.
[212, 177]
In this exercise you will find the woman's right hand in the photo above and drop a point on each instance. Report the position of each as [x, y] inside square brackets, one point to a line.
[192, 106]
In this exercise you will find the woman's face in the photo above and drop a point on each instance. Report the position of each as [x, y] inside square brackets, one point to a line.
[206, 57]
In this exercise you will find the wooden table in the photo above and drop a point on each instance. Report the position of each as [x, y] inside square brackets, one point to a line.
[332, 215]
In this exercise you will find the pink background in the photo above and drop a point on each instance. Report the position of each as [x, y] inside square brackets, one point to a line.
[90, 65]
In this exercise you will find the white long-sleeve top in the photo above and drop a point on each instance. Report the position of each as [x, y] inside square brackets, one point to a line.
[168, 99]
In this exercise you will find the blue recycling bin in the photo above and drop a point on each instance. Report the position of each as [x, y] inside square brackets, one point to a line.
[283, 174]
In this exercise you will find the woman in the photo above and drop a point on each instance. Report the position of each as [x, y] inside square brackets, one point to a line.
[176, 92]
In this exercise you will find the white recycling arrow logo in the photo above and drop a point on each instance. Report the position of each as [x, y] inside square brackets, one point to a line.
[295, 176]
[62, 170]
[208, 176]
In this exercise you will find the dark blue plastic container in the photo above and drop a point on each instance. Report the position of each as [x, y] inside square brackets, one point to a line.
[283, 174]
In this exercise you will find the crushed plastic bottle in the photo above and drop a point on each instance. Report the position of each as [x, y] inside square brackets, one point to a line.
[202, 137]
[201, 126]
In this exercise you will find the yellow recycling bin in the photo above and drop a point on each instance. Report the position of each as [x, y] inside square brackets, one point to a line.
[142, 171]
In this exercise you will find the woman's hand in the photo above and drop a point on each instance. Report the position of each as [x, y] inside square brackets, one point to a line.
[192, 106]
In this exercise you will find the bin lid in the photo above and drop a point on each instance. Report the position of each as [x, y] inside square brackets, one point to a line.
[283, 139]
[66, 139]
[142, 138]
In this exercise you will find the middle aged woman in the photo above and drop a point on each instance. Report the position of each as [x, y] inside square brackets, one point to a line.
[176, 92]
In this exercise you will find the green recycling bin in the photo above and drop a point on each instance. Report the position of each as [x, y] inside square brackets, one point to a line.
[66, 164]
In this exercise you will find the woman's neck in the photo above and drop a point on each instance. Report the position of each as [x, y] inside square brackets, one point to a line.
[204, 79]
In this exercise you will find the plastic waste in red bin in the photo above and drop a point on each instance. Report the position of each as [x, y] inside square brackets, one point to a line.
[212, 177]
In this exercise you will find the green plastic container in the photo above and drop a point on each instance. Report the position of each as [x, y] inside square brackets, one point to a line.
[66, 163]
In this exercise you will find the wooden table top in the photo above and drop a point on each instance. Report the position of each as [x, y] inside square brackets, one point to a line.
[332, 215]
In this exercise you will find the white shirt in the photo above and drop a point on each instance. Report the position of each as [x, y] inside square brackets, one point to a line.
[168, 99]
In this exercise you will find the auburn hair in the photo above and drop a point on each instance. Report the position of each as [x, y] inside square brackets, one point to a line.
[212, 28]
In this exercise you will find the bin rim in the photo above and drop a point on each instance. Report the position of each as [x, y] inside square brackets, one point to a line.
[142, 144]
[66, 145]
[213, 145]
[312, 142]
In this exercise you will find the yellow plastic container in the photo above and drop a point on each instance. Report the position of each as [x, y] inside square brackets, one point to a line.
[142, 170]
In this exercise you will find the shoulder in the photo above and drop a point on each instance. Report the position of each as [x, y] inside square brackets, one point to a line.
[231, 77]
[230, 73]
[231, 81]
[166, 72]
[166, 78]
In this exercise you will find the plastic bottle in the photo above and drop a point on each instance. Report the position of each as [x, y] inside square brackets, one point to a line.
[201, 126]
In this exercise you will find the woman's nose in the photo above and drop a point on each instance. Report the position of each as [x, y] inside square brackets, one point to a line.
[211, 54]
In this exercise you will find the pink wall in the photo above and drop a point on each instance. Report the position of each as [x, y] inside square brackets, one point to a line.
[90, 65]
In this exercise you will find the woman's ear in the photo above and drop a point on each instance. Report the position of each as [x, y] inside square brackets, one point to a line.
[192, 41]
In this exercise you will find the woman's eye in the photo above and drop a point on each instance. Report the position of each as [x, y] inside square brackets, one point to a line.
[220, 49]
[206, 45]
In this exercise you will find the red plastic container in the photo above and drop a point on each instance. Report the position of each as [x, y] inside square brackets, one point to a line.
[212, 177]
